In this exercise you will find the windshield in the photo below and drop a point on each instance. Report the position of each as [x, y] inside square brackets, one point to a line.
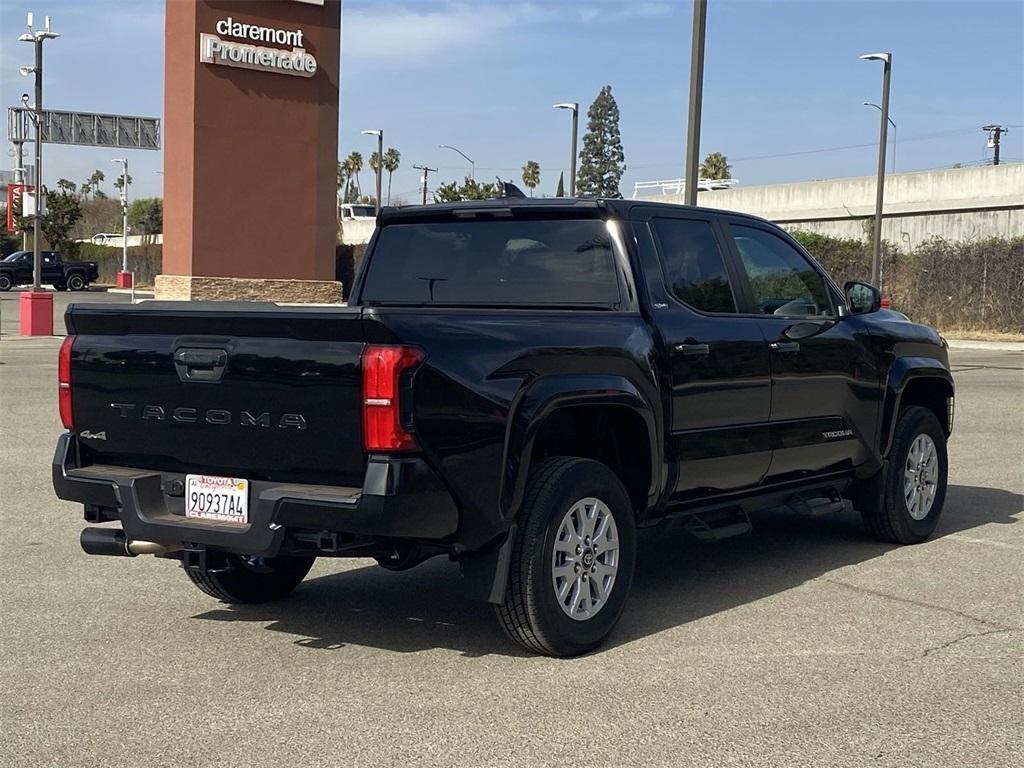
[15, 256]
[546, 262]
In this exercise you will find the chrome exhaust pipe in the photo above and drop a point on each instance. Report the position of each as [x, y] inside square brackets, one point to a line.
[114, 543]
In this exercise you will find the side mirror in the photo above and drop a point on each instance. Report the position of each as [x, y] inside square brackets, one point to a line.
[862, 298]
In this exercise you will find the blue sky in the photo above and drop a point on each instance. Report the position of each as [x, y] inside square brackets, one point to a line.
[780, 78]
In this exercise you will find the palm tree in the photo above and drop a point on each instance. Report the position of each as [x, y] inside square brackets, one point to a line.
[531, 175]
[92, 184]
[715, 166]
[355, 164]
[120, 180]
[392, 159]
[374, 164]
[67, 186]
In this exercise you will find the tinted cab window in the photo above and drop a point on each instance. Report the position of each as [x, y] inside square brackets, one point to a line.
[693, 265]
[520, 263]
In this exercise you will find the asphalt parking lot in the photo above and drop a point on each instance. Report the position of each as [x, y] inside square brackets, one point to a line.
[801, 644]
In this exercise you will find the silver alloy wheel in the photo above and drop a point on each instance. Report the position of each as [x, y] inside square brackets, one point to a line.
[585, 559]
[921, 476]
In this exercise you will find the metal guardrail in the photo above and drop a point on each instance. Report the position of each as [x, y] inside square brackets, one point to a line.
[678, 186]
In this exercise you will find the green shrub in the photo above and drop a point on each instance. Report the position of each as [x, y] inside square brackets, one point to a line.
[963, 285]
[144, 260]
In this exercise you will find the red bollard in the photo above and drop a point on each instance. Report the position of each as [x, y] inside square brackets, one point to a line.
[36, 313]
[124, 279]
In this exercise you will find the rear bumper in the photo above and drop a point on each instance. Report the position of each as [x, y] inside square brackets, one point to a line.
[400, 499]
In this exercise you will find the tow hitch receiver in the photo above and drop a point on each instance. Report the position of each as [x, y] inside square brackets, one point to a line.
[196, 557]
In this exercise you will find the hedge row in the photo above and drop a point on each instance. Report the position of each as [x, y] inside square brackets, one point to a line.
[967, 285]
[143, 260]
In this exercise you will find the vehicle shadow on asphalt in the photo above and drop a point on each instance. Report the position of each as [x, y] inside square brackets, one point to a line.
[678, 580]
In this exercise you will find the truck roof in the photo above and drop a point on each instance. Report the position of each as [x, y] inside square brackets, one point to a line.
[584, 207]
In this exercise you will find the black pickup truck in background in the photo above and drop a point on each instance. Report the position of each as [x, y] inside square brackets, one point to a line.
[16, 270]
[517, 385]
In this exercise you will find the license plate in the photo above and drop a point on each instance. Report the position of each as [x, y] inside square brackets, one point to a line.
[208, 497]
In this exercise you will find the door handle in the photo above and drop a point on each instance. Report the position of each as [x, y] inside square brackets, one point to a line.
[693, 350]
[785, 347]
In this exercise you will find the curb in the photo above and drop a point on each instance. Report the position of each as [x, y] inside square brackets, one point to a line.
[128, 291]
[994, 346]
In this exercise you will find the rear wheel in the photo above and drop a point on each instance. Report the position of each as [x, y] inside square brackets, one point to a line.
[252, 579]
[908, 502]
[572, 559]
[76, 282]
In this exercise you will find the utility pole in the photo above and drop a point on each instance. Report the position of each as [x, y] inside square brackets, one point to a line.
[426, 171]
[700, 18]
[995, 133]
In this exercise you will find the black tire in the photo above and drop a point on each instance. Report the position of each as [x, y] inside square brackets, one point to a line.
[76, 282]
[531, 614]
[253, 580]
[5, 283]
[885, 512]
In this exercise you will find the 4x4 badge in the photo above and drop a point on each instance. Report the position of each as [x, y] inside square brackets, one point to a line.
[93, 435]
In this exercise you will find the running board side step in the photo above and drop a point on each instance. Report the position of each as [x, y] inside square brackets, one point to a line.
[719, 524]
[815, 506]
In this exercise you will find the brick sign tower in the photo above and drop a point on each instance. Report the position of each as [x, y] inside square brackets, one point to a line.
[250, 149]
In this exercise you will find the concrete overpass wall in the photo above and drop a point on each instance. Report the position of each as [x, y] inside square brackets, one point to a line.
[957, 204]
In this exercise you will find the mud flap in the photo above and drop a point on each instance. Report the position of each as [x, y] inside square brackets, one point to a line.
[485, 574]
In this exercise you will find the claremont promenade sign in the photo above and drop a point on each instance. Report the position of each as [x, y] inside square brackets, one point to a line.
[218, 49]
[232, 123]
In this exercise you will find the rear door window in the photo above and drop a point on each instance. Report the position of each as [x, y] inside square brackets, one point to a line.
[515, 263]
[693, 265]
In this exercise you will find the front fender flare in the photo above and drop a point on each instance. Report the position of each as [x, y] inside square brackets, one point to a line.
[537, 401]
[903, 371]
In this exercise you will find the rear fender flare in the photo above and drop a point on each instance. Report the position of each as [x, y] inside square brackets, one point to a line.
[545, 395]
[903, 371]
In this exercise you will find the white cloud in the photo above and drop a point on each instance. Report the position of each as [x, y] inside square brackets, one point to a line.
[406, 32]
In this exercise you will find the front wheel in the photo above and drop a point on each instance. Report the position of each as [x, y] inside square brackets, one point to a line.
[572, 559]
[908, 504]
[5, 283]
[251, 579]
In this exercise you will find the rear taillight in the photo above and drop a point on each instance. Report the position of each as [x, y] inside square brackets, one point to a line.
[384, 428]
[64, 382]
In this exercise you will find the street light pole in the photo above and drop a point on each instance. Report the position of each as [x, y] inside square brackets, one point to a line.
[892, 165]
[124, 215]
[700, 18]
[380, 161]
[876, 235]
[472, 165]
[37, 38]
[36, 307]
[575, 107]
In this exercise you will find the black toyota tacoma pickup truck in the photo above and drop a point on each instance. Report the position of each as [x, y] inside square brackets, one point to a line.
[17, 269]
[518, 385]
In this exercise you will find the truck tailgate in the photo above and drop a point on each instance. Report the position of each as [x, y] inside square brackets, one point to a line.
[235, 389]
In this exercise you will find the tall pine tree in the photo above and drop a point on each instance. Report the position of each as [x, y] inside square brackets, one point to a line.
[601, 159]
[560, 192]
